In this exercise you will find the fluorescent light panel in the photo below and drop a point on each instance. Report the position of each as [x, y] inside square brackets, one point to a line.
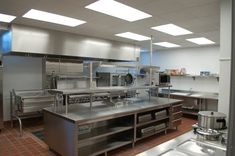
[133, 36]
[201, 41]
[6, 18]
[119, 10]
[52, 18]
[167, 44]
[172, 30]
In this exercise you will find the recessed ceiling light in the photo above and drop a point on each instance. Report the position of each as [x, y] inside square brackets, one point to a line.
[172, 29]
[167, 44]
[200, 41]
[133, 36]
[119, 10]
[52, 18]
[6, 18]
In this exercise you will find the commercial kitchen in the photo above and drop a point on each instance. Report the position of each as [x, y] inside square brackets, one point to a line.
[117, 77]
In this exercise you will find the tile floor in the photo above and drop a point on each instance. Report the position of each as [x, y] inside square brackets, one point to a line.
[11, 144]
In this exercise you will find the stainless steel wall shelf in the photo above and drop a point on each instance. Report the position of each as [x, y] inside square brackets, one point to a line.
[198, 76]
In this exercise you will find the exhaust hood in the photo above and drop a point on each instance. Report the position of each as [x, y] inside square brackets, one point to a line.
[32, 40]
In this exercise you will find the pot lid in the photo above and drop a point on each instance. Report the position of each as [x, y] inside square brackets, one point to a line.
[212, 114]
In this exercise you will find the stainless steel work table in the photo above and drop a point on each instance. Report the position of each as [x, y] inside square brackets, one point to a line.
[80, 113]
[204, 99]
[176, 142]
[192, 94]
[61, 129]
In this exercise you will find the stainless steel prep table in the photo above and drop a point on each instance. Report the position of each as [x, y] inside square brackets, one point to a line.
[167, 147]
[61, 129]
[202, 98]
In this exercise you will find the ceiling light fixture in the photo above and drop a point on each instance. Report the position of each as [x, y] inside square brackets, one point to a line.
[6, 18]
[172, 29]
[53, 18]
[167, 44]
[133, 36]
[119, 10]
[200, 41]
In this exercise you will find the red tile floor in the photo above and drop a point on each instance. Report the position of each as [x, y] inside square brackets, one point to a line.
[11, 144]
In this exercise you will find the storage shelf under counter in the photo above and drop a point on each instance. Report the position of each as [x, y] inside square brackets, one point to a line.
[82, 129]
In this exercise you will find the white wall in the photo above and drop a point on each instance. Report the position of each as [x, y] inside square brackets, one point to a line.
[199, 84]
[20, 73]
[194, 60]
[225, 55]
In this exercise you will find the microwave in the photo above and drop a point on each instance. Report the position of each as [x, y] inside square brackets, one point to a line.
[163, 79]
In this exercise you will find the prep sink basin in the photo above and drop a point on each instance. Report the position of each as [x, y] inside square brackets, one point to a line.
[200, 149]
[174, 152]
[195, 148]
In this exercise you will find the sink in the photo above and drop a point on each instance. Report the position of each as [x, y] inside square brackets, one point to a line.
[192, 147]
[174, 152]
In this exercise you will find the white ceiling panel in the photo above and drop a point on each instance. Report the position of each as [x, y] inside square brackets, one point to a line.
[199, 16]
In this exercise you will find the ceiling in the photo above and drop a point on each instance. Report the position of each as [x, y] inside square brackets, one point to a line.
[199, 16]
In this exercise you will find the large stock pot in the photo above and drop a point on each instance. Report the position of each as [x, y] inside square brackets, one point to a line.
[211, 120]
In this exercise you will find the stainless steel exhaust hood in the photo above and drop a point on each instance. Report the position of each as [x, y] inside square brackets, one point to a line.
[32, 40]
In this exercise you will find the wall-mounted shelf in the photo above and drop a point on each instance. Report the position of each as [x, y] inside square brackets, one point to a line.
[197, 76]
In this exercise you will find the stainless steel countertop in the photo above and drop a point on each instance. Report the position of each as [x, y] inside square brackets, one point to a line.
[81, 113]
[98, 90]
[192, 94]
[174, 143]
